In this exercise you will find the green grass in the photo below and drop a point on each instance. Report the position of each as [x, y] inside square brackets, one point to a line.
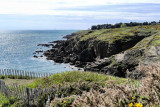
[147, 42]
[111, 35]
[72, 77]
[3, 99]
[156, 40]
[73, 83]
[6, 101]
[14, 77]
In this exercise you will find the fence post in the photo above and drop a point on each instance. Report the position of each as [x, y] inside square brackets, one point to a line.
[28, 96]
[35, 91]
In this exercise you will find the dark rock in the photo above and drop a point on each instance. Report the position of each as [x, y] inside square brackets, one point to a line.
[73, 60]
[58, 59]
[86, 55]
[79, 64]
[97, 65]
[97, 55]
[39, 51]
[46, 45]
[69, 36]
[57, 41]
[113, 70]
[66, 60]
[35, 56]
[136, 74]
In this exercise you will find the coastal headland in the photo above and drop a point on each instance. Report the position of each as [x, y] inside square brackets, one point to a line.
[122, 70]
[110, 51]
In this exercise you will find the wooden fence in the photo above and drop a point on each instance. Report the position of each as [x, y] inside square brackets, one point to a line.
[13, 72]
[3, 87]
[30, 96]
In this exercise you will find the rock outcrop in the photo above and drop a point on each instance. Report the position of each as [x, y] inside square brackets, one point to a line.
[109, 51]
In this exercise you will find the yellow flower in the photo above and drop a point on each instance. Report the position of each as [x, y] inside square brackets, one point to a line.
[131, 104]
[64, 101]
[139, 105]
[132, 97]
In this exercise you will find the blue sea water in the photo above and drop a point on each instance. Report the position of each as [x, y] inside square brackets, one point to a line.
[17, 48]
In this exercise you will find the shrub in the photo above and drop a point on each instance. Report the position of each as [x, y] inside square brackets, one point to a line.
[147, 93]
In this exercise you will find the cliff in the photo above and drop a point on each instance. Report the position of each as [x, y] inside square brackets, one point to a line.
[109, 51]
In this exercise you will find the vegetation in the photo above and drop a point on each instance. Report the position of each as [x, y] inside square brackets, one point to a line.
[3, 99]
[73, 77]
[6, 101]
[138, 94]
[66, 102]
[123, 34]
[87, 88]
[118, 25]
[14, 77]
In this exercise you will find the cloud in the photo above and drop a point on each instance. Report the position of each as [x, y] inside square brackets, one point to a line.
[53, 7]
[77, 14]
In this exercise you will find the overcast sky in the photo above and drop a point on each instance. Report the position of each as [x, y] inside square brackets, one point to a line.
[74, 14]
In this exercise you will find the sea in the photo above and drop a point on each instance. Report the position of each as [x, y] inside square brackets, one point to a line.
[17, 50]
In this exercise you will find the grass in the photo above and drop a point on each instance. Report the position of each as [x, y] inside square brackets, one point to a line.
[156, 40]
[98, 89]
[3, 99]
[148, 42]
[89, 88]
[73, 77]
[73, 83]
[15, 77]
[6, 101]
[145, 94]
[119, 92]
[111, 35]
[23, 82]
[144, 43]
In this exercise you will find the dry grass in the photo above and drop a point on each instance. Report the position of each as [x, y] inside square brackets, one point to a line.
[17, 81]
[146, 93]
[130, 93]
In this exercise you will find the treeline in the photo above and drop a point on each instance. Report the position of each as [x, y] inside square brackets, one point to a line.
[118, 25]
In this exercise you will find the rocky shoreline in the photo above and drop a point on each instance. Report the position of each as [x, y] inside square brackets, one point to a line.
[63, 52]
[101, 56]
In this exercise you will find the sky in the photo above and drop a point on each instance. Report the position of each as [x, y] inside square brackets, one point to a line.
[73, 14]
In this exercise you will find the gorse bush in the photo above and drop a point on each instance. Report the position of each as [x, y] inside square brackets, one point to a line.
[66, 102]
[145, 94]
[87, 89]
